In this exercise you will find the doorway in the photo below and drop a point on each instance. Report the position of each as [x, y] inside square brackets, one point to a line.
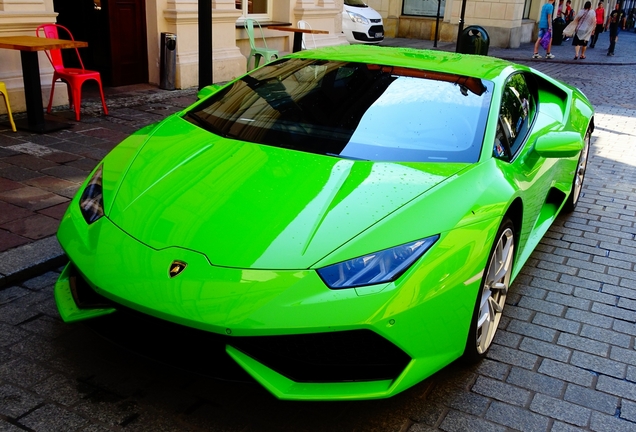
[116, 34]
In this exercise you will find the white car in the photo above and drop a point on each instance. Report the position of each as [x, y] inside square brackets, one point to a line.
[360, 23]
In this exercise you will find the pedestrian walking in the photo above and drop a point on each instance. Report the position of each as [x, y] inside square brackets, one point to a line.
[585, 22]
[615, 21]
[569, 12]
[545, 27]
[600, 22]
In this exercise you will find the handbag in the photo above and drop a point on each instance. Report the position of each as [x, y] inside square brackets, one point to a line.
[570, 29]
[545, 40]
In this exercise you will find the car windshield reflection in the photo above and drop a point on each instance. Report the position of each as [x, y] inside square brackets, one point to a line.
[353, 110]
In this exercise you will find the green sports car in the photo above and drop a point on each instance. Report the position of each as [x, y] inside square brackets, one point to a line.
[345, 221]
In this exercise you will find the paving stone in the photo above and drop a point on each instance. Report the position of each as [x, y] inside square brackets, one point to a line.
[15, 401]
[562, 324]
[568, 300]
[559, 426]
[517, 418]
[566, 372]
[10, 335]
[589, 317]
[628, 411]
[561, 410]
[605, 335]
[617, 387]
[592, 399]
[532, 330]
[624, 327]
[600, 297]
[545, 349]
[501, 391]
[493, 369]
[52, 418]
[10, 212]
[614, 311]
[33, 227]
[612, 262]
[623, 355]
[504, 338]
[458, 421]
[512, 356]
[535, 382]
[583, 344]
[517, 312]
[631, 373]
[542, 306]
[606, 423]
[46, 280]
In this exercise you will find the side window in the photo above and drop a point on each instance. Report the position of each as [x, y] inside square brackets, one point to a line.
[515, 117]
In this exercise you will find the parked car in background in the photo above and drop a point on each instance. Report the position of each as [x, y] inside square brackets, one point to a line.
[361, 23]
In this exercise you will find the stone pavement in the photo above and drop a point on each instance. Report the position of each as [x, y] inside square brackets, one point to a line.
[564, 359]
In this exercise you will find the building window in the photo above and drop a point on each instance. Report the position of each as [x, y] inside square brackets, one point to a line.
[426, 8]
[526, 9]
[259, 9]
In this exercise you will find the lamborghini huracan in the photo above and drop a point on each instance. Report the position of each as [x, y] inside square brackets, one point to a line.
[346, 221]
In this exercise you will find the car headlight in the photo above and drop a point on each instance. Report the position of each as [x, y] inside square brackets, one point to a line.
[358, 18]
[92, 201]
[379, 267]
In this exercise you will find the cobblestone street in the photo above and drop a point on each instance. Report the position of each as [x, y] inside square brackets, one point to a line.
[564, 358]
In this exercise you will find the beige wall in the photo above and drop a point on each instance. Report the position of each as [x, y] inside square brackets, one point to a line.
[230, 44]
[21, 18]
[502, 20]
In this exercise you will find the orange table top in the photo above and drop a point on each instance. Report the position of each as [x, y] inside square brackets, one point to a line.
[34, 43]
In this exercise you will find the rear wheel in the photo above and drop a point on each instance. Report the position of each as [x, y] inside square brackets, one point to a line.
[579, 176]
[492, 295]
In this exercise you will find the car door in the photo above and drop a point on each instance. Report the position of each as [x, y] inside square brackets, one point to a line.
[520, 123]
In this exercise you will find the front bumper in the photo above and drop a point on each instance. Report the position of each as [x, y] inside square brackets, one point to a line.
[396, 334]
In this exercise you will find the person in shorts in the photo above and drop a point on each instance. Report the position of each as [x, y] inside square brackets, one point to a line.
[545, 26]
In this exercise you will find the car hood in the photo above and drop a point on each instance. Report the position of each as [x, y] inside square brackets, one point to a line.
[246, 205]
[366, 12]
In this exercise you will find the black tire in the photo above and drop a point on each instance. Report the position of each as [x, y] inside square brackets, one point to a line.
[492, 293]
[579, 176]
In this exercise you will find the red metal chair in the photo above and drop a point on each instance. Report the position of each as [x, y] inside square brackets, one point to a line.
[73, 77]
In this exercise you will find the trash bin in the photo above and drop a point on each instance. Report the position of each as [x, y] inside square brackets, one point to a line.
[168, 65]
[473, 40]
[557, 31]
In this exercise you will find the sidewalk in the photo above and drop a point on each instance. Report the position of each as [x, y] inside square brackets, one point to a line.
[39, 174]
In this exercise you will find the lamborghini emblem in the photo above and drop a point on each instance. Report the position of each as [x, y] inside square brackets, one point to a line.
[176, 268]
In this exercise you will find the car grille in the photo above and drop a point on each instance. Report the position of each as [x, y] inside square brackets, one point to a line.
[375, 21]
[354, 355]
[376, 29]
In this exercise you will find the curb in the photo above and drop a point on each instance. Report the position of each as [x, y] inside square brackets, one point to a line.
[30, 260]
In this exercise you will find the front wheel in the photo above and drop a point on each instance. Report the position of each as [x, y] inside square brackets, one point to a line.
[579, 176]
[492, 295]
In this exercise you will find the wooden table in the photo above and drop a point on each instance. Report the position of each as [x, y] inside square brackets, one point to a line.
[298, 34]
[29, 47]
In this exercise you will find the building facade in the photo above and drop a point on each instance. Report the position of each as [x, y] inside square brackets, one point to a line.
[132, 29]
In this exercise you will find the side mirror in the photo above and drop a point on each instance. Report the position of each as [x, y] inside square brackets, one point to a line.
[559, 144]
[207, 91]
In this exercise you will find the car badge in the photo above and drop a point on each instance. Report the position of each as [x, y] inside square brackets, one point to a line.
[176, 268]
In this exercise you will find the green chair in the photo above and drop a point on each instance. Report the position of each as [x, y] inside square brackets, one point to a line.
[258, 52]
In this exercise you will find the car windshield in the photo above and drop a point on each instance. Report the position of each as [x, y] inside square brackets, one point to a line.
[353, 110]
